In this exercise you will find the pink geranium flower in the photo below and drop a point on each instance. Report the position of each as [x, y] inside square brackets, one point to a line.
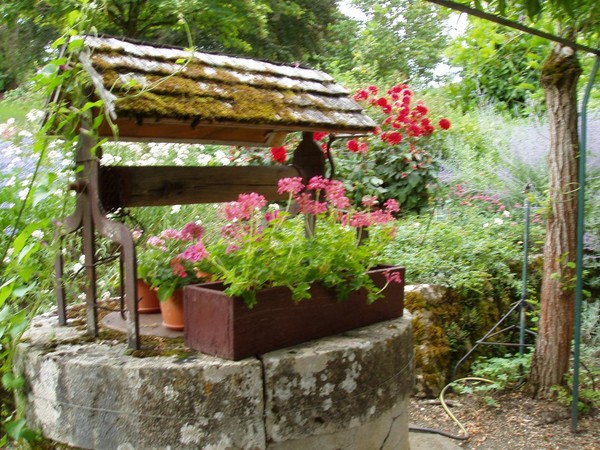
[178, 268]
[369, 201]
[291, 185]
[317, 183]
[192, 230]
[171, 233]
[244, 207]
[393, 277]
[194, 253]
[391, 205]
[155, 241]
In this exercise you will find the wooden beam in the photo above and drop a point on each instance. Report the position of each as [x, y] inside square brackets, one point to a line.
[125, 186]
[177, 131]
[170, 130]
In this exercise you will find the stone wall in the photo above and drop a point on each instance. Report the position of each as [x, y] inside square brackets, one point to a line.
[431, 307]
[347, 391]
[446, 327]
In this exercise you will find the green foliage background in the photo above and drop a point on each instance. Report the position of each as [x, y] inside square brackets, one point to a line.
[457, 245]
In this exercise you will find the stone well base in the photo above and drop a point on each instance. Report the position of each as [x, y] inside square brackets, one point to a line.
[348, 391]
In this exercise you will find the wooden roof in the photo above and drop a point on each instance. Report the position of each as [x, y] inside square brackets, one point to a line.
[170, 94]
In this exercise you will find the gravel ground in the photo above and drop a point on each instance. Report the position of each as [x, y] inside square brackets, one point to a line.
[517, 422]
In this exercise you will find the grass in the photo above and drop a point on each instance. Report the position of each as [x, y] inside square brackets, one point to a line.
[17, 103]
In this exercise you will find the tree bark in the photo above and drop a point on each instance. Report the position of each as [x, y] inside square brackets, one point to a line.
[552, 353]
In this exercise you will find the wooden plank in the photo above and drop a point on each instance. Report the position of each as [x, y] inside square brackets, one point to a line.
[220, 325]
[124, 186]
[227, 133]
[180, 131]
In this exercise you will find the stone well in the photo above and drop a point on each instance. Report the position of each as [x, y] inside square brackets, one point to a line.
[348, 391]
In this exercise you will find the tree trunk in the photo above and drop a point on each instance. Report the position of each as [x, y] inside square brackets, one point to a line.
[552, 353]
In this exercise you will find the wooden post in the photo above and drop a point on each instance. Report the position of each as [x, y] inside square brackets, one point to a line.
[309, 159]
[84, 158]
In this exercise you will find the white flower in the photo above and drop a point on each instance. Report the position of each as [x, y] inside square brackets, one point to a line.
[135, 147]
[53, 154]
[506, 213]
[34, 115]
[110, 159]
[38, 234]
[203, 159]
[175, 209]
[498, 221]
[23, 194]
[485, 225]
[9, 253]
[77, 267]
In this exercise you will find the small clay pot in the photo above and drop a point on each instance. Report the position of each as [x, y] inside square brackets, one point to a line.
[172, 311]
[147, 302]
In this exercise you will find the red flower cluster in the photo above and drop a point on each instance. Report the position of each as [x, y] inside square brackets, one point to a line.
[444, 124]
[403, 119]
[357, 147]
[278, 154]
[319, 135]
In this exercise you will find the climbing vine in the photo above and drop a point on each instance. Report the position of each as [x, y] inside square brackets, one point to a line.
[63, 81]
[69, 114]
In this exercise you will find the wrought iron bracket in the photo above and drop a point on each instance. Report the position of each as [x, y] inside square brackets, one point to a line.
[90, 217]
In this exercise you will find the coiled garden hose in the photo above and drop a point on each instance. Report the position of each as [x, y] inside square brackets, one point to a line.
[465, 435]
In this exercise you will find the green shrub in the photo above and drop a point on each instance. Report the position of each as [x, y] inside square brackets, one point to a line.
[503, 371]
[473, 245]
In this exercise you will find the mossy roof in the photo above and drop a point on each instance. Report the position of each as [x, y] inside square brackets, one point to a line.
[148, 83]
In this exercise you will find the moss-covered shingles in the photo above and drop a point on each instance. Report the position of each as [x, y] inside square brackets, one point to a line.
[155, 83]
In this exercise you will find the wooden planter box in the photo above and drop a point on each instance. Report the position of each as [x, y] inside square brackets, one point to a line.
[219, 325]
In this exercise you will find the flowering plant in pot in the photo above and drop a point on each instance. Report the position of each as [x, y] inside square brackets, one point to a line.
[264, 246]
[160, 264]
[286, 279]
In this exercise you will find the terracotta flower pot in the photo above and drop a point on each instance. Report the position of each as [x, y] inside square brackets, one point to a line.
[172, 311]
[147, 300]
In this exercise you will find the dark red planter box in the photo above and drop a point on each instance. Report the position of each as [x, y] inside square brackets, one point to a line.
[223, 326]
